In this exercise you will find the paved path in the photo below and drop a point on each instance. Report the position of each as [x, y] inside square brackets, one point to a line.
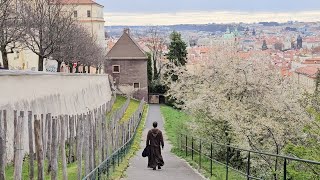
[174, 168]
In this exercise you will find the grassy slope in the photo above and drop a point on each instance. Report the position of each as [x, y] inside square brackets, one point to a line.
[174, 125]
[133, 106]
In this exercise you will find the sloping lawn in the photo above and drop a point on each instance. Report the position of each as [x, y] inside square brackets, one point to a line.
[175, 124]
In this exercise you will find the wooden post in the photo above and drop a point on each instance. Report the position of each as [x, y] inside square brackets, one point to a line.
[86, 144]
[2, 147]
[79, 145]
[54, 149]
[71, 136]
[39, 146]
[44, 134]
[18, 151]
[49, 124]
[63, 148]
[31, 152]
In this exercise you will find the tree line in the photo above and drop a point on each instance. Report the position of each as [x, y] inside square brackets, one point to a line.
[47, 28]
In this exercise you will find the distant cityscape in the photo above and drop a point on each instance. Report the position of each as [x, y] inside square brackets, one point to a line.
[293, 46]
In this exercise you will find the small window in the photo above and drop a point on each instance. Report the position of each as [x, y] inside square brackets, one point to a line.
[75, 14]
[116, 69]
[88, 13]
[136, 85]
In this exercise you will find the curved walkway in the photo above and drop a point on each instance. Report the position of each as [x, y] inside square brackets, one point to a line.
[174, 168]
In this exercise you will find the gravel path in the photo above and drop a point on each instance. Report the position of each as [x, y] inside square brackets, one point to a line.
[174, 168]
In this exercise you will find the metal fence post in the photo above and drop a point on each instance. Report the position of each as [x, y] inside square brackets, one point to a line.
[227, 163]
[248, 167]
[192, 148]
[211, 157]
[186, 146]
[98, 173]
[285, 169]
[200, 153]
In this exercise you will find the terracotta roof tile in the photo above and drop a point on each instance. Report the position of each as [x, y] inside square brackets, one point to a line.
[309, 71]
[78, 2]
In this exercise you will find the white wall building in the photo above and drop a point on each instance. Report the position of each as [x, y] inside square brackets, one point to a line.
[87, 12]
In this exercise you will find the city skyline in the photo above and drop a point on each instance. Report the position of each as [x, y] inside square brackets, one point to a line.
[146, 12]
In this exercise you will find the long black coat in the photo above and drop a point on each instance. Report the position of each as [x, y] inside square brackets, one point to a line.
[155, 141]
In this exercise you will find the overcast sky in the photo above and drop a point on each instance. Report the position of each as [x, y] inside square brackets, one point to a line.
[141, 10]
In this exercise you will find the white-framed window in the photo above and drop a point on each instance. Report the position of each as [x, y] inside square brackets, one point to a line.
[88, 13]
[116, 68]
[136, 85]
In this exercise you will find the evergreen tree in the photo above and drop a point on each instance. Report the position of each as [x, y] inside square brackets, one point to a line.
[177, 50]
[149, 69]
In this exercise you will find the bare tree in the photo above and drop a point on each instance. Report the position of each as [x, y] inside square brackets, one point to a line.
[79, 47]
[11, 28]
[156, 43]
[47, 23]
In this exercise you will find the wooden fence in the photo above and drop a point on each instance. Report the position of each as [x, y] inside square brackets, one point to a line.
[86, 139]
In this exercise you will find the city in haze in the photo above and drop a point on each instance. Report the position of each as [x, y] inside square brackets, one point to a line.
[160, 89]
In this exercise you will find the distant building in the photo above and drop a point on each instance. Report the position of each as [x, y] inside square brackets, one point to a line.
[89, 14]
[299, 42]
[127, 64]
[264, 45]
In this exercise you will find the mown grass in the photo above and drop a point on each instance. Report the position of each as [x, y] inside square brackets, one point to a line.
[120, 170]
[175, 124]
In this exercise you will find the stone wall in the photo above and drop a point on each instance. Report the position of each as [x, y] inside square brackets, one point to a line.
[42, 93]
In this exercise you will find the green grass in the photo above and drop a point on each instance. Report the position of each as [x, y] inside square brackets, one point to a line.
[72, 171]
[132, 108]
[120, 100]
[120, 170]
[175, 124]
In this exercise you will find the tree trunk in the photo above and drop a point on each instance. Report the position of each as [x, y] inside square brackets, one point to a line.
[59, 66]
[89, 70]
[84, 69]
[39, 147]
[40, 63]
[4, 54]
[31, 153]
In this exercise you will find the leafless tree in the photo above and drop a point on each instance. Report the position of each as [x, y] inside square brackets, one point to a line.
[11, 28]
[156, 43]
[79, 47]
[47, 23]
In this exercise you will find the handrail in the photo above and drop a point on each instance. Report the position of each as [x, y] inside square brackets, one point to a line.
[260, 152]
[185, 147]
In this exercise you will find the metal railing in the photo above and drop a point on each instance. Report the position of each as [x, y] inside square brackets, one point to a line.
[102, 171]
[201, 150]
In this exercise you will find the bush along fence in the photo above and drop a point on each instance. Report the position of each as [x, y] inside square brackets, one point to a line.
[220, 160]
[122, 135]
[53, 140]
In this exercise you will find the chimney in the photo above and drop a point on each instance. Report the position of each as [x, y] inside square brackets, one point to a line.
[127, 31]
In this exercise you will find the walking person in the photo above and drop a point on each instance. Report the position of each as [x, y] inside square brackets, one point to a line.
[155, 142]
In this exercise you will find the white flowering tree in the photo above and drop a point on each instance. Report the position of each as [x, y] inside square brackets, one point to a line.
[242, 101]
